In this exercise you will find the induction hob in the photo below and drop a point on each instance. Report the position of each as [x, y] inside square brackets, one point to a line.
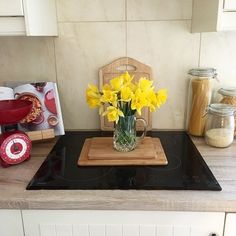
[186, 169]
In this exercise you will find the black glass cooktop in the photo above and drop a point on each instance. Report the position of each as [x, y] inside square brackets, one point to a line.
[186, 169]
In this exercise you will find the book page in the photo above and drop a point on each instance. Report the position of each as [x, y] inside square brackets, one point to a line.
[57, 100]
[6, 93]
[44, 114]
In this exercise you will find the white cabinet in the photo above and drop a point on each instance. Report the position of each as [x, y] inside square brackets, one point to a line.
[121, 223]
[11, 223]
[229, 5]
[11, 8]
[28, 17]
[213, 15]
[230, 225]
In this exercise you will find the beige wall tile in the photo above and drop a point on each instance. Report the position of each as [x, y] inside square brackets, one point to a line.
[90, 10]
[81, 49]
[27, 59]
[159, 9]
[171, 50]
[218, 50]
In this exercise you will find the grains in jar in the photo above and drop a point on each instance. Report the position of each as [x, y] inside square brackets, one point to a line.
[219, 128]
[229, 97]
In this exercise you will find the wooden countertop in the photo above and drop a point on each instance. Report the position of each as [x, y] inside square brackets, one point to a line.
[222, 162]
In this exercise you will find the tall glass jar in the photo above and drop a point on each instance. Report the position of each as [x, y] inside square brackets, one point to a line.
[229, 97]
[200, 92]
[219, 128]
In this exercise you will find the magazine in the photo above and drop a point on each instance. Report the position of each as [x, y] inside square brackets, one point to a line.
[46, 110]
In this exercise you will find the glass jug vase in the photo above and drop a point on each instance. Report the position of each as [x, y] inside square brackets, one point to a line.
[125, 138]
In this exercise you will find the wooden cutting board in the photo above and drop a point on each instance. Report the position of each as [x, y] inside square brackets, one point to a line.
[116, 68]
[102, 148]
[100, 152]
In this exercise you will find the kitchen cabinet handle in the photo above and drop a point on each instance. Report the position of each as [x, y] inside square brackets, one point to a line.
[213, 234]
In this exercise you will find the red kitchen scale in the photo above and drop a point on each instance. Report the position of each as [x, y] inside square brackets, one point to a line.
[15, 145]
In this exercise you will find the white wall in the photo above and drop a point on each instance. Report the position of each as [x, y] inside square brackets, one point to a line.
[93, 33]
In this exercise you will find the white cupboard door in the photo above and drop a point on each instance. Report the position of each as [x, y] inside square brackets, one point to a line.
[81, 230]
[213, 15]
[11, 8]
[40, 17]
[64, 229]
[115, 230]
[12, 26]
[164, 230]
[130, 230]
[149, 230]
[11, 223]
[47, 229]
[28, 17]
[230, 225]
[230, 5]
[121, 223]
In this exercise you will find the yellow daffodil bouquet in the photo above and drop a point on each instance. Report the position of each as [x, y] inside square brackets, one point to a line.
[123, 98]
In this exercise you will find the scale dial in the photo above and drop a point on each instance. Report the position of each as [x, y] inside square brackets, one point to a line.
[15, 148]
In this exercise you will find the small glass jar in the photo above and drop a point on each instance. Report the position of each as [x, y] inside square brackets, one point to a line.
[219, 127]
[229, 97]
[199, 97]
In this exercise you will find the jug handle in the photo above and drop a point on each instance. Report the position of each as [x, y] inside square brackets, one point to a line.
[145, 128]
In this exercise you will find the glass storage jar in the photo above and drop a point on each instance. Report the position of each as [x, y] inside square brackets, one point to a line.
[219, 127]
[200, 92]
[229, 97]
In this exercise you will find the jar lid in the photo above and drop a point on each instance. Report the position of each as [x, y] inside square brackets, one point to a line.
[203, 72]
[221, 109]
[228, 91]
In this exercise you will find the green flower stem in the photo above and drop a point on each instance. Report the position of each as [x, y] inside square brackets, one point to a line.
[125, 134]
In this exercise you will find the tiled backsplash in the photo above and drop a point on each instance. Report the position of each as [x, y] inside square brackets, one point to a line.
[93, 33]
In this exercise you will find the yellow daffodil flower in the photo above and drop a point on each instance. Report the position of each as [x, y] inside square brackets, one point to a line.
[152, 99]
[127, 78]
[113, 113]
[106, 87]
[92, 90]
[93, 102]
[126, 94]
[110, 97]
[93, 96]
[161, 97]
[139, 101]
[117, 83]
[133, 87]
[145, 84]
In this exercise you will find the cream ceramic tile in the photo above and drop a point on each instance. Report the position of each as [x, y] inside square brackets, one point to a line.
[171, 50]
[27, 59]
[90, 10]
[159, 9]
[81, 49]
[219, 50]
